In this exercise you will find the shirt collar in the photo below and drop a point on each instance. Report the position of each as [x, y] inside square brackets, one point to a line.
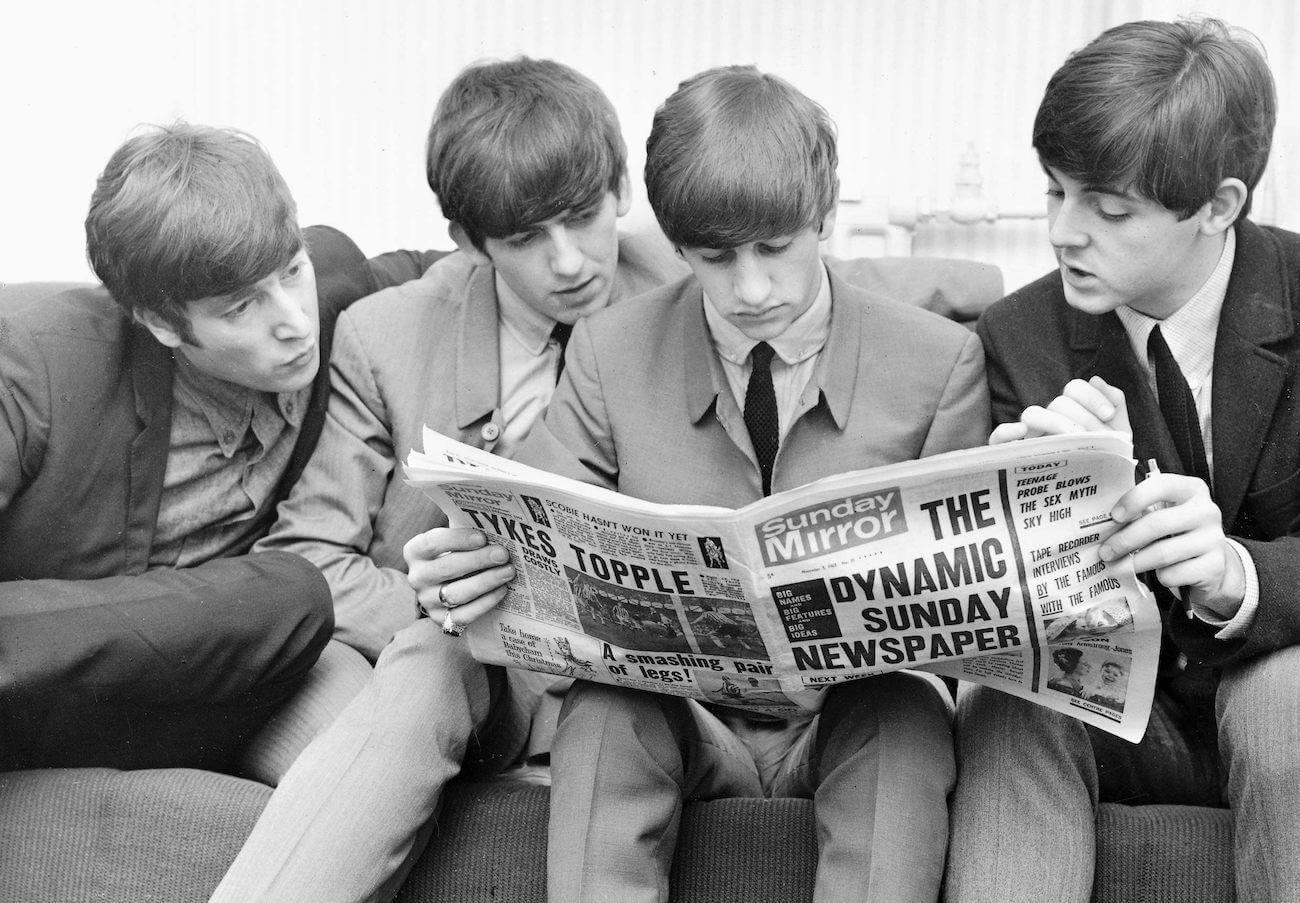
[230, 409]
[1189, 331]
[804, 338]
[530, 328]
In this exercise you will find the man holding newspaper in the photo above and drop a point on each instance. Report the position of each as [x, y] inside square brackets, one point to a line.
[1172, 317]
[760, 372]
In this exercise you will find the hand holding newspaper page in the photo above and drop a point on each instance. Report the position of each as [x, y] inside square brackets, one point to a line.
[979, 564]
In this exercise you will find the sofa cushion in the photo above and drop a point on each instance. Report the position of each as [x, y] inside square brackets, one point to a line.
[83, 834]
[491, 845]
[74, 835]
[1159, 853]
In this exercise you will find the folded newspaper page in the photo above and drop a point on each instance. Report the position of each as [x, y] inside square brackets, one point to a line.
[979, 564]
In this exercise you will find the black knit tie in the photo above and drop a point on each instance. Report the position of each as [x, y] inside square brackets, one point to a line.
[760, 412]
[560, 333]
[1179, 408]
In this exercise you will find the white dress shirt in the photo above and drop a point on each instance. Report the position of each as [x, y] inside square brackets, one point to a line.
[797, 350]
[1190, 333]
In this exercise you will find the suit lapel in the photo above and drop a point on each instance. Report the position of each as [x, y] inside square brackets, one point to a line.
[1248, 377]
[844, 365]
[151, 381]
[704, 382]
[478, 364]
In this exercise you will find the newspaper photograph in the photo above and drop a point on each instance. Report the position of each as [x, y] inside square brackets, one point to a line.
[979, 564]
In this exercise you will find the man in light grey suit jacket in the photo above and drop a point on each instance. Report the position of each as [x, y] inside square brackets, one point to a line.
[658, 401]
[471, 350]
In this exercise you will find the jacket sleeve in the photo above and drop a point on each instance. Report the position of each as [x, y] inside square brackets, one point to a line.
[1277, 619]
[329, 517]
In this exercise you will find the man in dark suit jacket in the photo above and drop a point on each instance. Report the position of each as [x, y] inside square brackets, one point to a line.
[1173, 317]
[147, 430]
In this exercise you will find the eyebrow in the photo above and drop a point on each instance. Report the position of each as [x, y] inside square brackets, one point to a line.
[1124, 194]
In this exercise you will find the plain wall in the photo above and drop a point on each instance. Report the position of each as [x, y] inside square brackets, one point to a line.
[341, 92]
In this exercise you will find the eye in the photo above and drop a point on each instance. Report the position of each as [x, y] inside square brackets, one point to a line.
[772, 250]
[239, 308]
[1054, 192]
[521, 239]
[582, 217]
[716, 257]
[1112, 217]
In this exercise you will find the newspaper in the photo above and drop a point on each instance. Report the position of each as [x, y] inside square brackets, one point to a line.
[979, 564]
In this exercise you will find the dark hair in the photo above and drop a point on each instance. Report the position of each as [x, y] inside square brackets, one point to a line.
[1170, 108]
[1067, 659]
[185, 212]
[517, 142]
[735, 156]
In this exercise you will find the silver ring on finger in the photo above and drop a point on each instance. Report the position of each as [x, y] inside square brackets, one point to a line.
[450, 627]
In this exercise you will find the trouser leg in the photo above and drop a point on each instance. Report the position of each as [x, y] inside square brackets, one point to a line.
[1258, 709]
[354, 810]
[1027, 781]
[878, 762]
[621, 765]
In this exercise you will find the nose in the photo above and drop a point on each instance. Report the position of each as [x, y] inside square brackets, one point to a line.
[749, 282]
[292, 320]
[566, 256]
[1064, 229]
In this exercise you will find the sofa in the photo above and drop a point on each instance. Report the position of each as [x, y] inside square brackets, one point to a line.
[95, 834]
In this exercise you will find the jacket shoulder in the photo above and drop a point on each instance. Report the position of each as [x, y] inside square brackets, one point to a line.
[645, 262]
[440, 292]
[68, 310]
[1028, 308]
[647, 312]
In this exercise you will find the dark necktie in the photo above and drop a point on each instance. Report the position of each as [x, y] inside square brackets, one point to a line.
[561, 332]
[760, 412]
[1178, 407]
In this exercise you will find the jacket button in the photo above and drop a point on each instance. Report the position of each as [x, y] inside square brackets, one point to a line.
[490, 432]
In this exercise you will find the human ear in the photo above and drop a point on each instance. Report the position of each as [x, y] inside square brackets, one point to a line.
[623, 195]
[827, 227]
[1223, 209]
[163, 331]
[467, 247]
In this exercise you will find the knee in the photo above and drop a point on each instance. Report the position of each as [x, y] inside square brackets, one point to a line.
[1258, 708]
[593, 703]
[302, 616]
[983, 709]
[1263, 687]
[901, 711]
[593, 713]
[993, 729]
[426, 673]
[898, 699]
[420, 652]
